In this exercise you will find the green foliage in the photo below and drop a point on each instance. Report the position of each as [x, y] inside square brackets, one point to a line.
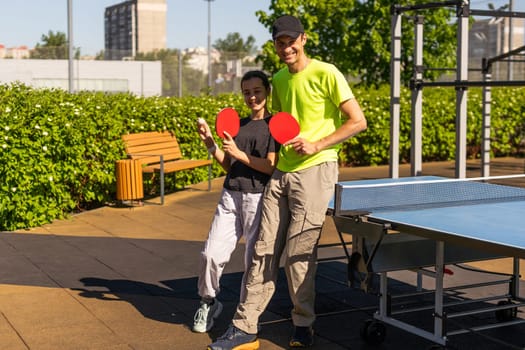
[53, 46]
[58, 150]
[234, 46]
[355, 36]
[439, 129]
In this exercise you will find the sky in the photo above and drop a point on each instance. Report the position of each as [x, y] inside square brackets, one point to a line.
[23, 22]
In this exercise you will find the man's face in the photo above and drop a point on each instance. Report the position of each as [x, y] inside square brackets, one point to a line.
[288, 49]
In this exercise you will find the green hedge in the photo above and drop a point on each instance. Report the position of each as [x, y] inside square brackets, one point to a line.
[58, 150]
[439, 135]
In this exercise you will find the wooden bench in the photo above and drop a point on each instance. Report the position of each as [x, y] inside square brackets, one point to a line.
[159, 152]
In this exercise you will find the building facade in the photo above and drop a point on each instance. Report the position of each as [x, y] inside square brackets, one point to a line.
[490, 38]
[14, 52]
[134, 26]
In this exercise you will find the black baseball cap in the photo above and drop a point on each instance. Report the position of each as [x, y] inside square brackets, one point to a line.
[287, 25]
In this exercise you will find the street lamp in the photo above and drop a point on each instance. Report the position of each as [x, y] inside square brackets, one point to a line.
[70, 43]
[209, 44]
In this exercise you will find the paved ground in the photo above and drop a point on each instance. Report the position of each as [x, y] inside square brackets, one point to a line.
[125, 278]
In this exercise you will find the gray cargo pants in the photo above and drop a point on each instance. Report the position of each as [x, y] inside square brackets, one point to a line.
[293, 213]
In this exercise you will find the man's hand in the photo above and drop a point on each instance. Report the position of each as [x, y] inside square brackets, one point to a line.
[302, 146]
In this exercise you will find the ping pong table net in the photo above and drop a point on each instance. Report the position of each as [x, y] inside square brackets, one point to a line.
[365, 198]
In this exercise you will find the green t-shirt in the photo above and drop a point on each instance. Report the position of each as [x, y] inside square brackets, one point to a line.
[312, 96]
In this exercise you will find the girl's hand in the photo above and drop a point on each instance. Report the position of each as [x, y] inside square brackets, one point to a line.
[203, 129]
[230, 147]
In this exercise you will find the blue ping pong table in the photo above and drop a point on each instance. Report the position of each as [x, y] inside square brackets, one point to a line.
[422, 224]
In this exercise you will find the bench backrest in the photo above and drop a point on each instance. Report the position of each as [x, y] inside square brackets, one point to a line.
[148, 146]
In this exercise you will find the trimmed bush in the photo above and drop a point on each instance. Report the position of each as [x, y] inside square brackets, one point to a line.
[58, 150]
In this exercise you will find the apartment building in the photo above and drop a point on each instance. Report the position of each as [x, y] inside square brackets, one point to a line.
[14, 52]
[134, 26]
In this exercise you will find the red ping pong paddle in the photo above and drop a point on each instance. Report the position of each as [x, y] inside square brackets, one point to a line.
[284, 127]
[227, 120]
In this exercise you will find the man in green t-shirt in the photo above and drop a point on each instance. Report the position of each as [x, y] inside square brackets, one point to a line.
[297, 196]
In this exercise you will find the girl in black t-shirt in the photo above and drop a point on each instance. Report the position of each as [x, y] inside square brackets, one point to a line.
[249, 160]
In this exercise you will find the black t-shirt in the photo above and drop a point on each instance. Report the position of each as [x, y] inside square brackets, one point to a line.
[254, 139]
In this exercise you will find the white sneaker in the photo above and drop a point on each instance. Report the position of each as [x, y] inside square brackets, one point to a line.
[203, 319]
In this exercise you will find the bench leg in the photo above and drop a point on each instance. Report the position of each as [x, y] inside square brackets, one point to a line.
[209, 177]
[161, 180]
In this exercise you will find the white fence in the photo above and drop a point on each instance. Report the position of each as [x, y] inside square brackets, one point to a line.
[143, 78]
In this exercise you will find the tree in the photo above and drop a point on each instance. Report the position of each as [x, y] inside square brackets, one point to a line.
[99, 56]
[355, 36]
[501, 8]
[234, 51]
[234, 47]
[54, 46]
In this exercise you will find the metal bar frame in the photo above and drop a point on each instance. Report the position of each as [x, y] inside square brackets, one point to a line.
[487, 63]
[461, 93]
[485, 127]
[395, 91]
[461, 84]
[416, 134]
[466, 84]
[497, 13]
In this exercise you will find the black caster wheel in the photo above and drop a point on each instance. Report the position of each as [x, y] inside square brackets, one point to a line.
[373, 332]
[506, 314]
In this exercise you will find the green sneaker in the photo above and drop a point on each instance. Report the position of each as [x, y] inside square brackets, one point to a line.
[204, 316]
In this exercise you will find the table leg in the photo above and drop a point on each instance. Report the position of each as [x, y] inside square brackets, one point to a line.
[438, 307]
